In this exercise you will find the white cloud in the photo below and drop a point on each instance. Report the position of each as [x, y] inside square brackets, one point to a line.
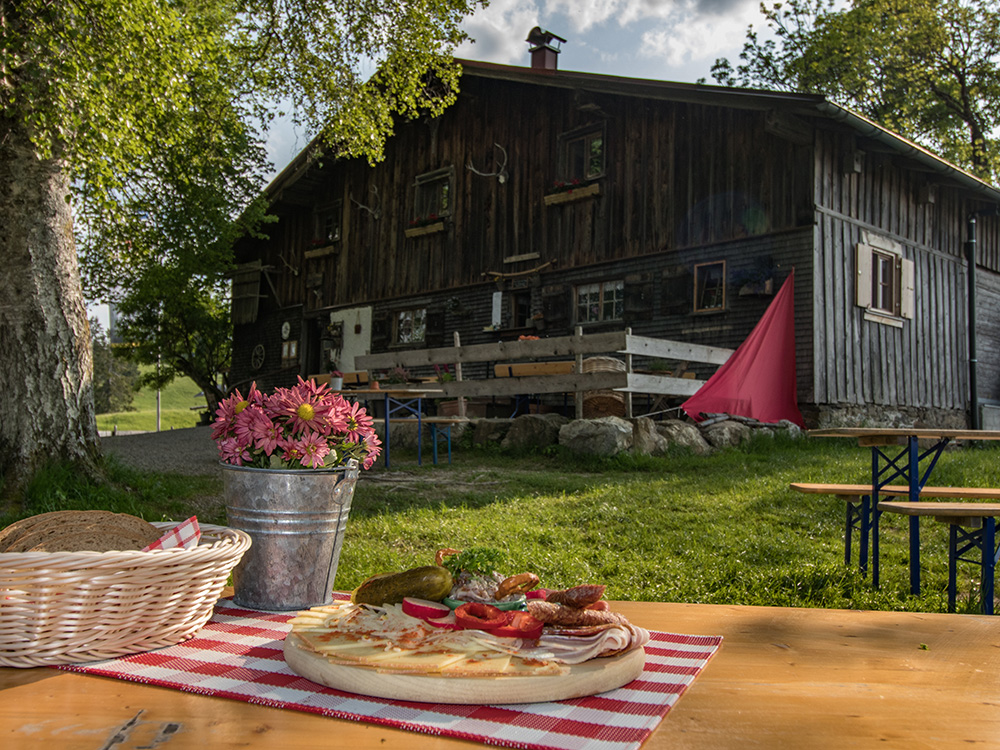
[500, 31]
[695, 36]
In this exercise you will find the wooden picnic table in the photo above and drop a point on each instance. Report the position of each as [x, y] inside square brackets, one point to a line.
[400, 403]
[783, 678]
[911, 463]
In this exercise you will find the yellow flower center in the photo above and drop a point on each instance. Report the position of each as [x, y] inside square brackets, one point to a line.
[241, 406]
[306, 412]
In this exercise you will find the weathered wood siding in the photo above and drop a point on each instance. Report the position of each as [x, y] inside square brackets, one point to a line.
[924, 363]
[677, 175]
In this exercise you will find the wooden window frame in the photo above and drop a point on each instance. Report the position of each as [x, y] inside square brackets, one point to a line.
[428, 204]
[617, 301]
[398, 328]
[331, 213]
[289, 353]
[701, 271]
[587, 135]
[884, 281]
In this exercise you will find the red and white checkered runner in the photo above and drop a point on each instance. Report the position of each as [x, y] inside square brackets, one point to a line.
[239, 655]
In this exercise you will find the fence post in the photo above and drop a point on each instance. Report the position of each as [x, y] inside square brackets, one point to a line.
[458, 377]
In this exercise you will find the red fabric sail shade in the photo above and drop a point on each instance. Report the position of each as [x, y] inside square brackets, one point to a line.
[758, 381]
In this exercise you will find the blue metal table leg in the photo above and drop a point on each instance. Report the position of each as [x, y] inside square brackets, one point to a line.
[434, 442]
[848, 531]
[876, 517]
[989, 563]
[952, 566]
[915, 486]
[865, 530]
[387, 432]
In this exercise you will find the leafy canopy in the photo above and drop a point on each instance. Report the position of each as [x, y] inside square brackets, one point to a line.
[158, 109]
[927, 69]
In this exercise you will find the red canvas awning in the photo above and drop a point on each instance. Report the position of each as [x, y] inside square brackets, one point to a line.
[758, 381]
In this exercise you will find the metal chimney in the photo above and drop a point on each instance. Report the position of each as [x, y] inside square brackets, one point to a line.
[544, 48]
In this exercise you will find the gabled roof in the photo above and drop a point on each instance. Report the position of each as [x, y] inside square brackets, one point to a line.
[786, 103]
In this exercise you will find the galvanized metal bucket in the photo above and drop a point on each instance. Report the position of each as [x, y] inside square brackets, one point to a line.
[296, 520]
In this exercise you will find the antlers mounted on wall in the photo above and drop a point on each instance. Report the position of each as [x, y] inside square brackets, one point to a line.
[376, 212]
[501, 170]
[289, 266]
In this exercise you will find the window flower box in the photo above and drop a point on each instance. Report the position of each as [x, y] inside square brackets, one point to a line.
[573, 194]
[418, 231]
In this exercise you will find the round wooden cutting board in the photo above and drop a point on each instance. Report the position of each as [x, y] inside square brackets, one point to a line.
[595, 676]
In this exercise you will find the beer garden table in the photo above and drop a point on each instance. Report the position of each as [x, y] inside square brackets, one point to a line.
[782, 678]
[910, 464]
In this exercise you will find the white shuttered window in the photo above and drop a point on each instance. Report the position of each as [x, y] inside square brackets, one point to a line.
[884, 281]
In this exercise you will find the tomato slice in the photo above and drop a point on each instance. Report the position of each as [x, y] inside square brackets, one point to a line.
[520, 624]
[479, 616]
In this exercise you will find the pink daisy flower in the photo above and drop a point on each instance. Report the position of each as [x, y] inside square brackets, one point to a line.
[314, 449]
[357, 423]
[232, 452]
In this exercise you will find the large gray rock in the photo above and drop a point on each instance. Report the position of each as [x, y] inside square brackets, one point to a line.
[606, 436]
[646, 439]
[534, 431]
[404, 433]
[490, 431]
[685, 435]
[728, 433]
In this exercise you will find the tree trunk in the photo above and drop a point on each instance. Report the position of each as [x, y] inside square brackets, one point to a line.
[46, 363]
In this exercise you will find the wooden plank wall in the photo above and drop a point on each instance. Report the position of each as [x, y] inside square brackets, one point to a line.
[678, 175]
[924, 363]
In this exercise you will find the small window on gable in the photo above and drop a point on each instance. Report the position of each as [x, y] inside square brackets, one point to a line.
[599, 302]
[328, 222]
[520, 308]
[411, 326]
[289, 353]
[710, 286]
[433, 195]
[581, 155]
[884, 281]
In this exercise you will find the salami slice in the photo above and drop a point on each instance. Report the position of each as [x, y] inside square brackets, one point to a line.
[561, 615]
[578, 596]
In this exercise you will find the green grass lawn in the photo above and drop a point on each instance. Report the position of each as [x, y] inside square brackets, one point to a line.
[176, 401]
[721, 529]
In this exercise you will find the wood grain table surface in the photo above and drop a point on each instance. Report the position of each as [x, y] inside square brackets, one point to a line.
[783, 678]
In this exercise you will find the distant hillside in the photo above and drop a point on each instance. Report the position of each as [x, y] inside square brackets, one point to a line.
[176, 401]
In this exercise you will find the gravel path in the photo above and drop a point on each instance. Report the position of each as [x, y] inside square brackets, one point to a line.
[188, 451]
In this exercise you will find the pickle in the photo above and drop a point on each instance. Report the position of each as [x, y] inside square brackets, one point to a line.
[431, 582]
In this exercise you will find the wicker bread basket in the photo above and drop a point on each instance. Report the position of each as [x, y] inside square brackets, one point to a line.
[67, 607]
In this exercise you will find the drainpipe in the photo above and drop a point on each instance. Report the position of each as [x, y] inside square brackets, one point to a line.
[970, 257]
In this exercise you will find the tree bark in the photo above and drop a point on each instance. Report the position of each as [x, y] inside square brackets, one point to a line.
[46, 362]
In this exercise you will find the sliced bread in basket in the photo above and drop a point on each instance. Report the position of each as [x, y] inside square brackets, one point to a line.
[75, 531]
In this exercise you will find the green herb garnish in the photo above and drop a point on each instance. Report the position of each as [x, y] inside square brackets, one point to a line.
[483, 560]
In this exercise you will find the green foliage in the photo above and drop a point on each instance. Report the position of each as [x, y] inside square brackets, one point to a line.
[475, 560]
[176, 400]
[723, 528]
[182, 327]
[156, 110]
[155, 497]
[115, 377]
[927, 69]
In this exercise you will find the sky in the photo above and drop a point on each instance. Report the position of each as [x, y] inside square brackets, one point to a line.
[668, 40]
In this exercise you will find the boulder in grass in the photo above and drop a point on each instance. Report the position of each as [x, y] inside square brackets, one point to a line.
[534, 431]
[646, 439]
[728, 433]
[490, 431]
[685, 435]
[606, 436]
